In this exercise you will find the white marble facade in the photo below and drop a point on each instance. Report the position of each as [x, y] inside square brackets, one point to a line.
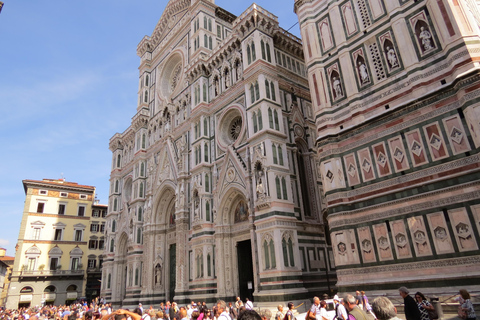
[214, 192]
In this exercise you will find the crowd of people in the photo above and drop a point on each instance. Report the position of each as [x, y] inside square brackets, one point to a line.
[350, 307]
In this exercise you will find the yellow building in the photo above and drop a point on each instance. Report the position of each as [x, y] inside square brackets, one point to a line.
[53, 244]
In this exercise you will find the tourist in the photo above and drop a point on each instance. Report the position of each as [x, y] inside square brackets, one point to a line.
[222, 311]
[423, 306]
[280, 314]
[314, 309]
[467, 305]
[340, 311]
[410, 306]
[355, 313]
[384, 309]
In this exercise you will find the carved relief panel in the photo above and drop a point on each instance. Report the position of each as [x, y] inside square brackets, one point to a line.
[435, 141]
[397, 150]
[332, 174]
[440, 233]
[456, 134]
[344, 247]
[382, 160]
[366, 164]
[472, 116]
[366, 245]
[352, 169]
[416, 147]
[421, 244]
[462, 229]
[383, 242]
[400, 238]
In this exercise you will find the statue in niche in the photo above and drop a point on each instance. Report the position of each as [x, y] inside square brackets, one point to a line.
[158, 274]
[196, 205]
[227, 79]
[362, 69]
[217, 86]
[260, 189]
[337, 86]
[426, 39]
[392, 57]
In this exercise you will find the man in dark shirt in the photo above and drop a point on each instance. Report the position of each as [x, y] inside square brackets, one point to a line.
[410, 306]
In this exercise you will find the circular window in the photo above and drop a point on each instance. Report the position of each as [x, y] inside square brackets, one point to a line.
[235, 128]
[171, 75]
[231, 127]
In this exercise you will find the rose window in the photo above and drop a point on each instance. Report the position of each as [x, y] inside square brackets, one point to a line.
[235, 128]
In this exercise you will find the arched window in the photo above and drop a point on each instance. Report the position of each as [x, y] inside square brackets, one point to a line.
[253, 52]
[267, 89]
[274, 153]
[210, 25]
[205, 127]
[140, 193]
[205, 151]
[115, 205]
[204, 92]
[257, 91]
[290, 252]
[116, 186]
[114, 225]
[252, 93]
[145, 96]
[139, 235]
[144, 141]
[207, 182]
[142, 169]
[207, 210]
[279, 189]
[266, 254]
[269, 57]
[205, 41]
[255, 124]
[119, 158]
[112, 244]
[140, 214]
[272, 254]
[262, 46]
[285, 252]
[210, 46]
[136, 276]
[272, 89]
[275, 118]
[260, 123]
[109, 281]
[270, 118]
[284, 189]
[249, 55]
[146, 80]
[205, 26]
[209, 265]
[280, 155]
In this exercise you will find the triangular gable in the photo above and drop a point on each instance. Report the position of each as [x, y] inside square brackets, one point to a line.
[232, 174]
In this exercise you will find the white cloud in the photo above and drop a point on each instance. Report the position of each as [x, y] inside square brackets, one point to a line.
[4, 242]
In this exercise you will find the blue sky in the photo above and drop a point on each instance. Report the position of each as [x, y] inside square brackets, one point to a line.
[68, 83]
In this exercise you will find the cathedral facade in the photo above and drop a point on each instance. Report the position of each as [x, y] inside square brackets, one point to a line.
[396, 96]
[214, 190]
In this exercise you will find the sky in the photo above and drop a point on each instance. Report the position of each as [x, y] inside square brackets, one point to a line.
[68, 83]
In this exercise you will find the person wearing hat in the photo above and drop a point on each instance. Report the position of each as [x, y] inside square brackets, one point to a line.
[340, 311]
